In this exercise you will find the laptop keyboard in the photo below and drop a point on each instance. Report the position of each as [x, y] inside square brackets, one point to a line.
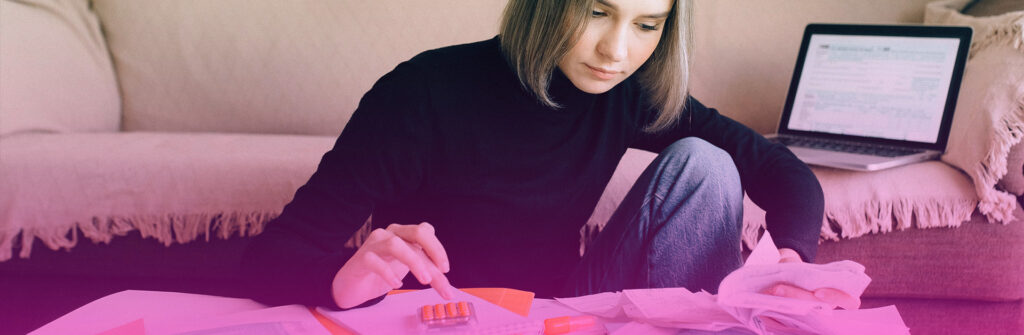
[856, 148]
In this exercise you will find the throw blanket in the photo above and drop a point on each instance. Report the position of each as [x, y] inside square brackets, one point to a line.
[990, 111]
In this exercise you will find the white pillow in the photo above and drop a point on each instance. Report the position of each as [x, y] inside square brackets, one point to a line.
[55, 72]
[989, 119]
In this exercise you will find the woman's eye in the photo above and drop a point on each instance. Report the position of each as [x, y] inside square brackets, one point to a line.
[597, 13]
[648, 27]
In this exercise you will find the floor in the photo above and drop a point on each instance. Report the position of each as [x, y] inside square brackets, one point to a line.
[51, 283]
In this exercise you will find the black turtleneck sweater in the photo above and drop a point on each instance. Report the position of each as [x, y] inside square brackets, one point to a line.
[450, 137]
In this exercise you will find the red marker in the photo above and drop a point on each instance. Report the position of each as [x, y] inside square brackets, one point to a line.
[565, 324]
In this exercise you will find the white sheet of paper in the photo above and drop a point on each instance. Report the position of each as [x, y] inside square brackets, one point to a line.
[739, 302]
[765, 252]
[678, 308]
[881, 321]
[291, 319]
[548, 308]
[643, 328]
[743, 287]
[399, 313]
[159, 310]
[605, 305]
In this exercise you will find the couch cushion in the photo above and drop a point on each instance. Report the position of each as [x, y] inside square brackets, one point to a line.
[172, 187]
[978, 260]
[293, 67]
[55, 72]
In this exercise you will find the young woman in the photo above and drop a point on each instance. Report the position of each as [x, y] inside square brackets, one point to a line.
[480, 162]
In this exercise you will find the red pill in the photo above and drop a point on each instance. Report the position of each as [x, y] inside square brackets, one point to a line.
[439, 311]
[428, 313]
[451, 310]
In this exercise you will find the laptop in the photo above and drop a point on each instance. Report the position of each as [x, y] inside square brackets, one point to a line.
[871, 97]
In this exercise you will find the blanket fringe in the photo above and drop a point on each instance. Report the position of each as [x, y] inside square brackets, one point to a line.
[1010, 32]
[876, 217]
[998, 205]
[1001, 30]
[167, 229]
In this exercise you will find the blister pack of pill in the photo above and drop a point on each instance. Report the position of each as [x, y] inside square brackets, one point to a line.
[443, 318]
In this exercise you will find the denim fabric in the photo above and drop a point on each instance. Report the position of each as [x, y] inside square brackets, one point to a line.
[679, 226]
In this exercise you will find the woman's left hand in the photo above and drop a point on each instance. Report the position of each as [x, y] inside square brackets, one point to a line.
[827, 295]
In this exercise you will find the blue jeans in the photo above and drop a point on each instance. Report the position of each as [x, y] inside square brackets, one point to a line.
[679, 226]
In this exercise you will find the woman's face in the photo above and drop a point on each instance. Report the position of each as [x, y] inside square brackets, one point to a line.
[620, 36]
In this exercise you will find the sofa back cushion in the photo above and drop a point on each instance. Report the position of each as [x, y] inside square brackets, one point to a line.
[55, 73]
[300, 67]
[289, 67]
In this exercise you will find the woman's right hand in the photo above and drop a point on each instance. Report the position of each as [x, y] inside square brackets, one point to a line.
[385, 258]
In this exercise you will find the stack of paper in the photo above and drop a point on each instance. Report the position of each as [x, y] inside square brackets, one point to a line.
[740, 303]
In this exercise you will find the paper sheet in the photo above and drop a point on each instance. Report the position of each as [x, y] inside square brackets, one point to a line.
[548, 308]
[643, 328]
[158, 309]
[291, 319]
[397, 314]
[741, 307]
[765, 252]
[743, 287]
[678, 308]
[880, 321]
[136, 327]
[606, 305]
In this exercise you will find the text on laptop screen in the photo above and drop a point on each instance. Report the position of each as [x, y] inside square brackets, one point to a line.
[874, 86]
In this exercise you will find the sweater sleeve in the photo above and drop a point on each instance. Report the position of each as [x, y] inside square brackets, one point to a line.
[771, 175]
[379, 157]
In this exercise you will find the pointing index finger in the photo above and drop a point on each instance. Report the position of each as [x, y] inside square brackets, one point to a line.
[423, 236]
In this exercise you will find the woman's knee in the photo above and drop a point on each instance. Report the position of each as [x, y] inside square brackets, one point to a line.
[703, 160]
[693, 170]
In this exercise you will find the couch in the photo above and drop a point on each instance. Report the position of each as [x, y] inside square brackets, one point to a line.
[143, 142]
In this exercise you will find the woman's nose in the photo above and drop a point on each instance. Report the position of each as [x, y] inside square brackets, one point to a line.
[613, 45]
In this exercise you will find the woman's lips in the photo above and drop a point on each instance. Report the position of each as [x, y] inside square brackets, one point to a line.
[601, 73]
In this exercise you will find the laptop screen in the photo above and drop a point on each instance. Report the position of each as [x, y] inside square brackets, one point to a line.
[882, 86]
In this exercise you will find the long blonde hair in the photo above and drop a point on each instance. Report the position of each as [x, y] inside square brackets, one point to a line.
[536, 34]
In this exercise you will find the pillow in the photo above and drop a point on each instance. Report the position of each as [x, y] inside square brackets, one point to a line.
[990, 110]
[923, 195]
[992, 7]
[55, 73]
[285, 67]
[1013, 181]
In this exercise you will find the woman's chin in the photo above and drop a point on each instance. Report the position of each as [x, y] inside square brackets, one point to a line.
[595, 86]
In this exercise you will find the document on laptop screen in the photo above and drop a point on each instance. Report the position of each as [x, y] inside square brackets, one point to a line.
[875, 86]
